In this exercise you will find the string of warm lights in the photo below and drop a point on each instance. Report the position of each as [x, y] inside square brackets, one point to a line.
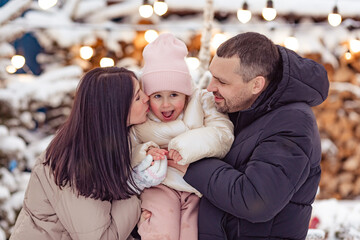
[47, 4]
[87, 52]
[269, 13]
[17, 62]
[334, 17]
[146, 10]
[244, 14]
[160, 7]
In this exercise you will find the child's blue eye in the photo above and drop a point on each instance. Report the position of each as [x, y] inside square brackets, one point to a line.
[173, 95]
[157, 96]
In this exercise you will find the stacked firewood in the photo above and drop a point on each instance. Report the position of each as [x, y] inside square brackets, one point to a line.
[25, 125]
[32, 111]
[339, 124]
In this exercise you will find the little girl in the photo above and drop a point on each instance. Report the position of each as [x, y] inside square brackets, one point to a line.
[184, 125]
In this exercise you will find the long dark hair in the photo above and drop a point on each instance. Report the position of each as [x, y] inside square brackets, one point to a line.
[91, 151]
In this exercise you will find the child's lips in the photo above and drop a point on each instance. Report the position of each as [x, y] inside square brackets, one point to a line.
[167, 115]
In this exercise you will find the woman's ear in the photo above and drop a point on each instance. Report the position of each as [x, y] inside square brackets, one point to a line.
[258, 85]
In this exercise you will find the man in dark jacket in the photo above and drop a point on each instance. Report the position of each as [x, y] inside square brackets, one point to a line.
[264, 187]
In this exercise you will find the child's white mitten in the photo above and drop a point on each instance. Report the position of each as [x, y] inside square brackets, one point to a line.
[146, 176]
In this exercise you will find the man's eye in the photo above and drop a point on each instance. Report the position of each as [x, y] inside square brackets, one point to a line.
[218, 80]
[137, 98]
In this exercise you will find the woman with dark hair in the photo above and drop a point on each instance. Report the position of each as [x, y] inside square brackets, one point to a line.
[83, 186]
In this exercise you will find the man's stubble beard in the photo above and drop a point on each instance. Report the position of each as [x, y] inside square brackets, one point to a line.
[237, 103]
[222, 108]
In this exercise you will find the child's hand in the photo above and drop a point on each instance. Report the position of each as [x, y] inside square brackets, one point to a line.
[174, 155]
[145, 215]
[157, 153]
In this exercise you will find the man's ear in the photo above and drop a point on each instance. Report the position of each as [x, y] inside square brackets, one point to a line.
[258, 85]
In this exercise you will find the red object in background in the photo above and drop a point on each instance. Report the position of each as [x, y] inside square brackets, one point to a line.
[314, 222]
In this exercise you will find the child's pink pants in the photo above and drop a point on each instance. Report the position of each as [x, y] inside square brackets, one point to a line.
[174, 214]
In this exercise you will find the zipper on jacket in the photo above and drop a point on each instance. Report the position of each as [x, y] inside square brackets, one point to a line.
[269, 107]
[222, 226]
[238, 228]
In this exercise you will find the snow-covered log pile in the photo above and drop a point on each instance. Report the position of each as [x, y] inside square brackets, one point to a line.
[338, 119]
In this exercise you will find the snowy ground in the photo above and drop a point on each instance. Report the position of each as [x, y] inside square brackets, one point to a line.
[340, 219]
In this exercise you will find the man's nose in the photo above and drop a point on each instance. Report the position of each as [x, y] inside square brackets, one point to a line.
[211, 87]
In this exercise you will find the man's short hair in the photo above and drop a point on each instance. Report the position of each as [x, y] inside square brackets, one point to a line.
[258, 55]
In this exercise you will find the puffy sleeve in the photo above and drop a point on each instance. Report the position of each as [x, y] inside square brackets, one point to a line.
[139, 149]
[210, 134]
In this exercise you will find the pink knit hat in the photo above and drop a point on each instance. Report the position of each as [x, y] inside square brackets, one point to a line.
[165, 68]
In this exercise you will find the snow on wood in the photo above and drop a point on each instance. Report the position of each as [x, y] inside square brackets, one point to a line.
[8, 180]
[9, 32]
[4, 192]
[49, 88]
[35, 148]
[12, 145]
[69, 8]
[345, 86]
[13, 9]
[86, 8]
[125, 8]
[6, 50]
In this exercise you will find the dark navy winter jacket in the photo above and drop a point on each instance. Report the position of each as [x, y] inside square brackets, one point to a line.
[264, 187]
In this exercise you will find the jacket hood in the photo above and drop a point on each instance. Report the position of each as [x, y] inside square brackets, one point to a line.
[302, 80]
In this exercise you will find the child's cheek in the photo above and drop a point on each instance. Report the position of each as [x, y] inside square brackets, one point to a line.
[180, 106]
[154, 107]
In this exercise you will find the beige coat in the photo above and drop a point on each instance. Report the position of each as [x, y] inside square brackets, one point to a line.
[51, 213]
[200, 132]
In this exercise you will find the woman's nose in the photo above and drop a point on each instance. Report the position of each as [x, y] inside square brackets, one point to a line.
[145, 98]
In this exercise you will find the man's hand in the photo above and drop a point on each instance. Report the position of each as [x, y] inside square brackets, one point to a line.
[181, 168]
